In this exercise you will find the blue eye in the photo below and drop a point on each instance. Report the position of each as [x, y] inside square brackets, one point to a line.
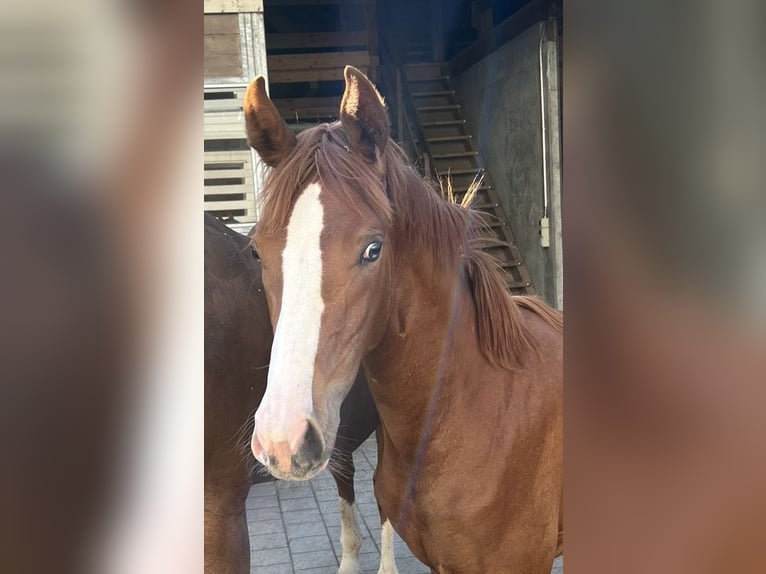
[371, 252]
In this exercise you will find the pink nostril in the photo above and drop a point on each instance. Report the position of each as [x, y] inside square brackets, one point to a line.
[298, 435]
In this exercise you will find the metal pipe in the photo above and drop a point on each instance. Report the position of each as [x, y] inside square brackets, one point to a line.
[542, 119]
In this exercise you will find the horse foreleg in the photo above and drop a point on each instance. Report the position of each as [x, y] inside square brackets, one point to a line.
[227, 545]
[350, 533]
[387, 558]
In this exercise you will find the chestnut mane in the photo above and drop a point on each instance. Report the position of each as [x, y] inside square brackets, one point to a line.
[401, 197]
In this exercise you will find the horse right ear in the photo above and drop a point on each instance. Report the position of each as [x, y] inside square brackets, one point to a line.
[363, 115]
[267, 131]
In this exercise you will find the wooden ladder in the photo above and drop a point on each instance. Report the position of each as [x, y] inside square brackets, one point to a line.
[451, 151]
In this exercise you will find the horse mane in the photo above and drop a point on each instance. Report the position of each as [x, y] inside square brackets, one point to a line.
[397, 193]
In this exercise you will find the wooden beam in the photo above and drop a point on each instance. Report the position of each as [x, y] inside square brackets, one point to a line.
[232, 6]
[316, 61]
[222, 44]
[522, 19]
[271, 3]
[317, 102]
[301, 108]
[222, 66]
[316, 40]
[240, 173]
[243, 204]
[317, 75]
[221, 24]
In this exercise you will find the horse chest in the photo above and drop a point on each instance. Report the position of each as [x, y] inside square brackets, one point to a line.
[428, 519]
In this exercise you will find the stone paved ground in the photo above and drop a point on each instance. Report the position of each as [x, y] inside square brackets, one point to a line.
[295, 526]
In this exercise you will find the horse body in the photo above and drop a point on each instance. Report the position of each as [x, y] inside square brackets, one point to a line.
[475, 490]
[238, 340]
[237, 348]
[467, 379]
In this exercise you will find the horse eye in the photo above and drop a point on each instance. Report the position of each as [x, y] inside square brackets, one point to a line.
[255, 254]
[371, 252]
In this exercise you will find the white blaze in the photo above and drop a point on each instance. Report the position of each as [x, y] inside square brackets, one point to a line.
[288, 392]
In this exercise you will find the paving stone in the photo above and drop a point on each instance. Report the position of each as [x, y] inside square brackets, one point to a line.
[331, 518]
[329, 506]
[411, 566]
[298, 504]
[288, 493]
[273, 569]
[263, 489]
[309, 544]
[261, 514]
[266, 541]
[266, 527]
[314, 559]
[369, 509]
[369, 561]
[305, 529]
[269, 556]
[373, 526]
[262, 502]
[296, 516]
[368, 545]
[329, 494]
[365, 492]
[401, 550]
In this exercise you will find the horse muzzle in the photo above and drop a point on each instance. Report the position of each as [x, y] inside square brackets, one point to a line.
[298, 452]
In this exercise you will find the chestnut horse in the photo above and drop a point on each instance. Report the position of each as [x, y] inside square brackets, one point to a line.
[364, 263]
[237, 346]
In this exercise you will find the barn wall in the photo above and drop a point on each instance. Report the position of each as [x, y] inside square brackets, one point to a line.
[500, 96]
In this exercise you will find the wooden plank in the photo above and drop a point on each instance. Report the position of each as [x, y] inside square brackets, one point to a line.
[222, 44]
[301, 114]
[242, 173]
[316, 40]
[223, 66]
[228, 156]
[222, 107]
[229, 130]
[243, 204]
[305, 108]
[295, 103]
[229, 189]
[318, 61]
[221, 24]
[326, 75]
[233, 6]
[315, 2]
[221, 120]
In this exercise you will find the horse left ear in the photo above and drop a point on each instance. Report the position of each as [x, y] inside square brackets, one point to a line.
[363, 115]
[267, 132]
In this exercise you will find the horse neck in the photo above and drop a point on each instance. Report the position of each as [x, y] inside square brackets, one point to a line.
[411, 373]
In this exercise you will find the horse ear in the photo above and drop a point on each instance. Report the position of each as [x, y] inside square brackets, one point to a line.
[363, 115]
[267, 131]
